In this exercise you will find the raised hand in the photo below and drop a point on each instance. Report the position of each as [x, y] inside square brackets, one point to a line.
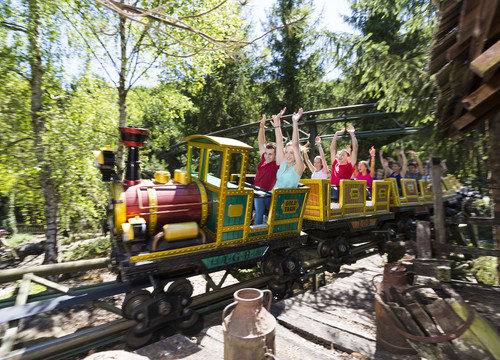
[372, 151]
[296, 116]
[412, 153]
[351, 129]
[318, 140]
[276, 121]
[263, 121]
[339, 132]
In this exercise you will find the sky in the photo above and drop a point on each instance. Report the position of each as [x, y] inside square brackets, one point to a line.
[331, 12]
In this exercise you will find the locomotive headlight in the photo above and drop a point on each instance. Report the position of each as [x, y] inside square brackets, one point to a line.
[105, 162]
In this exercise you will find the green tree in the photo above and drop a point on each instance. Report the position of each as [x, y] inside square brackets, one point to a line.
[47, 165]
[386, 61]
[165, 42]
[294, 70]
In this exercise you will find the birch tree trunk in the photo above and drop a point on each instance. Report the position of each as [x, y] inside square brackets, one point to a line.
[38, 123]
[122, 91]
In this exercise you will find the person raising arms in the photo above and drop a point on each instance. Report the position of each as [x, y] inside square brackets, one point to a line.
[363, 173]
[289, 159]
[265, 177]
[319, 169]
[342, 167]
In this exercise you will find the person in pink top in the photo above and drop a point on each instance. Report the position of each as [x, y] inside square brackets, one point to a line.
[343, 166]
[363, 173]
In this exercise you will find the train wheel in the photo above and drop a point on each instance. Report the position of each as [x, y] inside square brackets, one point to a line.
[191, 326]
[132, 301]
[271, 265]
[135, 341]
[181, 287]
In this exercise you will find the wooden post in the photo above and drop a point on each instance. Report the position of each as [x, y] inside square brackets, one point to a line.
[424, 248]
[493, 133]
[439, 226]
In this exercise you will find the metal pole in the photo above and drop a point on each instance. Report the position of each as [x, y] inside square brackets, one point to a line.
[53, 269]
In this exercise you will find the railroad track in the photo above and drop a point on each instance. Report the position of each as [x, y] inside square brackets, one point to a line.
[82, 341]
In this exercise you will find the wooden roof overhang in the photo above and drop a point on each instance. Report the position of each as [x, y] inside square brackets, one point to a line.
[465, 58]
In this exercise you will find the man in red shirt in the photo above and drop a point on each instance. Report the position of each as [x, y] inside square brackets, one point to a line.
[343, 166]
[265, 177]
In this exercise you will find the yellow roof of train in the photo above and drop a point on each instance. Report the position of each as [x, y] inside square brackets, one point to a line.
[216, 140]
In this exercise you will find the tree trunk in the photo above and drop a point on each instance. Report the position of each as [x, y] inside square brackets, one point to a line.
[122, 92]
[38, 123]
[493, 132]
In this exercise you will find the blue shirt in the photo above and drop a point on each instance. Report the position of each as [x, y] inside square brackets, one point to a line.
[287, 178]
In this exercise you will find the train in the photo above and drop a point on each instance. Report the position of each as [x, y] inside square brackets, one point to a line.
[199, 221]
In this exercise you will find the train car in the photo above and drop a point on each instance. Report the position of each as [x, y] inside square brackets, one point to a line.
[199, 221]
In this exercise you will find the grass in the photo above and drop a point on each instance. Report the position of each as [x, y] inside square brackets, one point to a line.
[97, 248]
[19, 239]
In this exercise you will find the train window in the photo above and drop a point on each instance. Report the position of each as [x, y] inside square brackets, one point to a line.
[195, 162]
[214, 167]
[235, 167]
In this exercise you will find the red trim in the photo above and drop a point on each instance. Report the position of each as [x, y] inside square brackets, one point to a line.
[133, 143]
[133, 130]
[131, 182]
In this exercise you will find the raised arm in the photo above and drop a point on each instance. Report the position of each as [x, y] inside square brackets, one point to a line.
[306, 157]
[280, 149]
[322, 154]
[299, 163]
[372, 162]
[333, 146]
[354, 154]
[262, 135]
[404, 166]
[417, 159]
[385, 164]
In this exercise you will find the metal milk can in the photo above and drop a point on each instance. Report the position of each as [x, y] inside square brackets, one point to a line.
[249, 330]
[395, 275]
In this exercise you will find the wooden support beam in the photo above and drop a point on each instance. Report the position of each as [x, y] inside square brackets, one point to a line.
[488, 61]
[484, 98]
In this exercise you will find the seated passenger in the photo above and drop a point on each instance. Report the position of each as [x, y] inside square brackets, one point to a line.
[291, 165]
[398, 170]
[288, 158]
[415, 169]
[363, 173]
[319, 169]
[265, 177]
[342, 167]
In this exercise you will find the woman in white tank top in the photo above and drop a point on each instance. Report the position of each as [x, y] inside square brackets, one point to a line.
[320, 168]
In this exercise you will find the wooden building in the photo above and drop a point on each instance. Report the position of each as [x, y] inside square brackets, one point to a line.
[465, 58]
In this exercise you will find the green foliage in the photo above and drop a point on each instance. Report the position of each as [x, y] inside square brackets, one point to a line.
[19, 239]
[292, 71]
[485, 271]
[97, 248]
[386, 62]
[34, 289]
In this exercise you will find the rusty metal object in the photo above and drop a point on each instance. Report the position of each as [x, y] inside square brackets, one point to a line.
[395, 275]
[249, 330]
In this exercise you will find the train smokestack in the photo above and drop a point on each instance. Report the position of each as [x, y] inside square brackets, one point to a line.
[134, 138]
